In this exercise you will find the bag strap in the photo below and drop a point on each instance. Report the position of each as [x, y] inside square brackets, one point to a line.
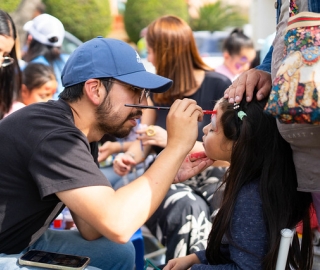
[293, 8]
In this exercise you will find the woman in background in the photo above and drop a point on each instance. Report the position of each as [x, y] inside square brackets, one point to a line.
[38, 85]
[10, 75]
[238, 54]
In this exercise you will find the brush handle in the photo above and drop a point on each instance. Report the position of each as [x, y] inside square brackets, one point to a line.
[163, 108]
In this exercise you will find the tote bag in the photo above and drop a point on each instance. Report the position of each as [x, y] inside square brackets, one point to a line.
[295, 94]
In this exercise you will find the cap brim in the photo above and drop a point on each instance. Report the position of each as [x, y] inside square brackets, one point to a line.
[27, 26]
[147, 80]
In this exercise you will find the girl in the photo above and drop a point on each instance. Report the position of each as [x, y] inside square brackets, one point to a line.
[10, 75]
[260, 197]
[46, 34]
[38, 85]
[238, 54]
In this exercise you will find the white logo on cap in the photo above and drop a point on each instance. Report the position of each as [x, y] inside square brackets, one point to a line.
[138, 58]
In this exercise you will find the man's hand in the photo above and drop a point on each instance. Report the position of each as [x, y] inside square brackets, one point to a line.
[192, 165]
[247, 82]
[182, 124]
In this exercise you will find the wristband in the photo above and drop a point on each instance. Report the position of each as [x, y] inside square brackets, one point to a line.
[121, 146]
[130, 154]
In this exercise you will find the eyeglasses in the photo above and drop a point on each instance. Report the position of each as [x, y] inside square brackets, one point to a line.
[6, 61]
[143, 92]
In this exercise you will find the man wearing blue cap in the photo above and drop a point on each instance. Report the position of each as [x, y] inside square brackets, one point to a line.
[48, 160]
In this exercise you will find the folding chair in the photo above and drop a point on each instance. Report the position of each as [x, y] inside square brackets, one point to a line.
[285, 243]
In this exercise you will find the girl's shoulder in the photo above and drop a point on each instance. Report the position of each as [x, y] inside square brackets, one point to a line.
[41, 60]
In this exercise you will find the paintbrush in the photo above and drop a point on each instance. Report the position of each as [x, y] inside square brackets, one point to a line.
[163, 108]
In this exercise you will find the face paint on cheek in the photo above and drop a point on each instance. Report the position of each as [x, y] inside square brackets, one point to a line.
[214, 122]
[238, 66]
[243, 61]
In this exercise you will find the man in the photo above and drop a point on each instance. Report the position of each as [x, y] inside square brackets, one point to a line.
[46, 160]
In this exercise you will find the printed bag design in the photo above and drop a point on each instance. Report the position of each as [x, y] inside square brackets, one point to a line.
[295, 94]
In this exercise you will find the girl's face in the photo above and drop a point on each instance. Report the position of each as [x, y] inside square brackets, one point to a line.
[151, 57]
[6, 45]
[216, 145]
[41, 94]
[240, 62]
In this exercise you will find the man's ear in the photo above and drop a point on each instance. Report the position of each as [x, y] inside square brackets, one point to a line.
[94, 91]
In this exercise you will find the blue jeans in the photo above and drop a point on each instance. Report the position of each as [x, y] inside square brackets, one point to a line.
[103, 253]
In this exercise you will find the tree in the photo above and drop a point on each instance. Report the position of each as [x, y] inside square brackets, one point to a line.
[140, 13]
[21, 11]
[217, 16]
[85, 19]
[9, 5]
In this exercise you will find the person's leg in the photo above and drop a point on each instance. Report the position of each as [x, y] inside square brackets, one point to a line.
[182, 222]
[103, 253]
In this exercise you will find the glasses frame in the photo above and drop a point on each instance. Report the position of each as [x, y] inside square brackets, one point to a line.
[143, 91]
[3, 60]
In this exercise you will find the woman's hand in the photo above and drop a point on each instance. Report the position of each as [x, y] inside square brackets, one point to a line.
[192, 165]
[107, 149]
[123, 163]
[247, 82]
[152, 135]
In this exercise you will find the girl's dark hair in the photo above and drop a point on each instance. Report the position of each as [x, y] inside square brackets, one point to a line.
[259, 151]
[36, 49]
[75, 92]
[10, 76]
[35, 75]
[236, 41]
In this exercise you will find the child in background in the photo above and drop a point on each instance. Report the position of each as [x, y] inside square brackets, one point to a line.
[260, 197]
[238, 53]
[38, 85]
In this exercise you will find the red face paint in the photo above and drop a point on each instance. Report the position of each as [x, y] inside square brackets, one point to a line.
[198, 155]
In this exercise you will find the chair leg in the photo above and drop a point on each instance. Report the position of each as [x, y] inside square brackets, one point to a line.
[285, 242]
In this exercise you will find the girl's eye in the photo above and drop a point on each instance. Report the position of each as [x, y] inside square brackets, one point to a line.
[214, 122]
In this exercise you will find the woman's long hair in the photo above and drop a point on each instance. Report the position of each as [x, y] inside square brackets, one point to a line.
[10, 76]
[176, 55]
[259, 151]
[36, 49]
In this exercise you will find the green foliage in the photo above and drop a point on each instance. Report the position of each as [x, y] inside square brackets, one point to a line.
[9, 5]
[217, 16]
[85, 19]
[140, 13]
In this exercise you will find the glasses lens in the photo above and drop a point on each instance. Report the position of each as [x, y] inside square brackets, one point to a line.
[144, 93]
[7, 61]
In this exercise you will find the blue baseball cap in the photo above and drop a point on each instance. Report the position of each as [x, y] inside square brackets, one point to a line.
[106, 57]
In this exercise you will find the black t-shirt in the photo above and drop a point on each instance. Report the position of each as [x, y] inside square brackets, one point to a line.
[210, 91]
[41, 153]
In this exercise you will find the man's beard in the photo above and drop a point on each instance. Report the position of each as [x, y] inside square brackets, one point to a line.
[107, 119]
